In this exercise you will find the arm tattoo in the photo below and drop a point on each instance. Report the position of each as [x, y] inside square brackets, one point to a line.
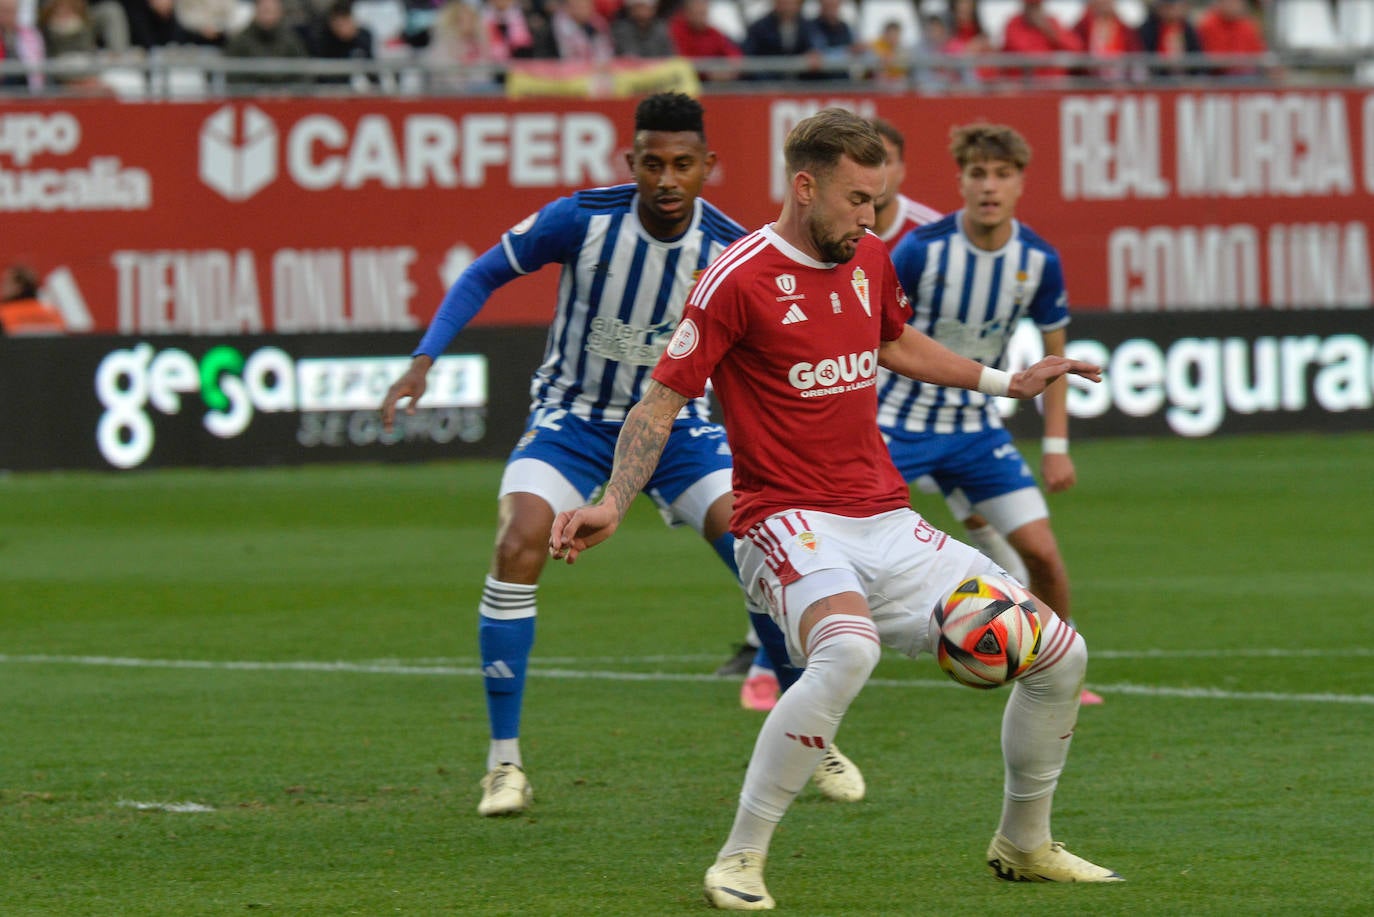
[640, 444]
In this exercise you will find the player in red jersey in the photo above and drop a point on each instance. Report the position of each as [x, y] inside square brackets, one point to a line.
[791, 323]
[895, 214]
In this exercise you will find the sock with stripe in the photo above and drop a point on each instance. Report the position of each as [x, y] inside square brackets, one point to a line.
[505, 635]
[1037, 727]
[844, 651]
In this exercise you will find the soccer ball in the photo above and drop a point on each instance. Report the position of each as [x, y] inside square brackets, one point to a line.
[989, 631]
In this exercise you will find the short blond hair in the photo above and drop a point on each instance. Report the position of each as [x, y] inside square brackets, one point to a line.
[982, 141]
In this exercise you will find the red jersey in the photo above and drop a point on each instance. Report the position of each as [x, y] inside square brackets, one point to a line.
[790, 345]
[910, 214]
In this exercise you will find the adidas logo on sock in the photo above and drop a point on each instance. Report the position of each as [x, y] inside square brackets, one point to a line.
[794, 315]
[497, 669]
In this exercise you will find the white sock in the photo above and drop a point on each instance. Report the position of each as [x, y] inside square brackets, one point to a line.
[844, 651]
[1037, 727]
[504, 751]
[994, 545]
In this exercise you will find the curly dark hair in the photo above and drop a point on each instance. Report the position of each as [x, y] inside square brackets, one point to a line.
[671, 112]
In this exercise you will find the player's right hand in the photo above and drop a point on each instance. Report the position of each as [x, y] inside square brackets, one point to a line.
[577, 530]
[411, 385]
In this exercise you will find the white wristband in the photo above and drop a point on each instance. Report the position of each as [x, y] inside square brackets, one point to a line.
[1054, 445]
[993, 381]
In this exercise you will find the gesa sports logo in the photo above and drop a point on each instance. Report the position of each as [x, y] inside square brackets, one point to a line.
[235, 386]
[833, 375]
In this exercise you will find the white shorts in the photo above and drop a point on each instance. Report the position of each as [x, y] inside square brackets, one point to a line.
[545, 481]
[900, 563]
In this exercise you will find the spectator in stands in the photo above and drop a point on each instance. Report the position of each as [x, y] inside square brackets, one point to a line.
[459, 41]
[336, 35]
[1034, 31]
[695, 37]
[267, 36]
[20, 42]
[781, 32]
[210, 20]
[513, 34]
[22, 310]
[968, 37]
[417, 21]
[1227, 28]
[890, 53]
[834, 39]
[639, 32]
[1168, 32]
[154, 24]
[83, 27]
[67, 28]
[582, 34]
[1105, 36]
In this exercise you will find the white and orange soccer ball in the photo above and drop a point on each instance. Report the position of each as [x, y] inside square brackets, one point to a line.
[989, 631]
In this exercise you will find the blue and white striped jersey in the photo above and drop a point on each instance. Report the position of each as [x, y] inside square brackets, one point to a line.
[970, 300]
[620, 296]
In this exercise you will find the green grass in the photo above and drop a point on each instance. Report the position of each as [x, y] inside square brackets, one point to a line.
[1225, 588]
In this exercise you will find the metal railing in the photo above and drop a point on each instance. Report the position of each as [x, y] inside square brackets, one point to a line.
[201, 73]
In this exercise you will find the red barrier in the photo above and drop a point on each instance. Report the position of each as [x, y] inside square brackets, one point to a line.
[323, 215]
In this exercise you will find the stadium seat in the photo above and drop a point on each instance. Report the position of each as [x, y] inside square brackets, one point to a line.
[874, 14]
[125, 82]
[849, 11]
[385, 19]
[1355, 23]
[754, 9]
[1065, 12]
[1306, 25]
[727, 16]
[994, 15]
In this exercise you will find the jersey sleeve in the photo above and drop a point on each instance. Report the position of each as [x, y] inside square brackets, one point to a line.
[1050, 307]
[896, 307]
[705, 334]
[550, 235]
[464, 300]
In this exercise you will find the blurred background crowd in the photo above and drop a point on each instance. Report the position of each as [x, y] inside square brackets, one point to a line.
[471, 43]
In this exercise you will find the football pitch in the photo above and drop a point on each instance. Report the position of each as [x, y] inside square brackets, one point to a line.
[230, 692]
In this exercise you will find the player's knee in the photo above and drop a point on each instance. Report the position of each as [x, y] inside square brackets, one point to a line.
[519, 557]
[1061, 664]
[845, 650]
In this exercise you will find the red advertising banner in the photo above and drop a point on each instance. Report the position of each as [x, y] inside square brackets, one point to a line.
[305, 215]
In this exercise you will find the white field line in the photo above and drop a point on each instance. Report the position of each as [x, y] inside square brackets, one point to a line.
[394, 667]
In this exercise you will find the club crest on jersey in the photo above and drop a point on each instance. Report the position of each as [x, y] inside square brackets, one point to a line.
[808, 541]
[787, 283]
[859, 281]
[1018, 292]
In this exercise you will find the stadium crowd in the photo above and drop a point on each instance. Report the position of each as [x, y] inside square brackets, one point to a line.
[472, 42]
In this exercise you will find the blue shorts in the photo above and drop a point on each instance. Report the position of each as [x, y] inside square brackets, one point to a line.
[566, 459]
[982, 465]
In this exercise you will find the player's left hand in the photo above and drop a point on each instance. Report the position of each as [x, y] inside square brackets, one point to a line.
[575, 531]
[1033, 380]
[1058, 472]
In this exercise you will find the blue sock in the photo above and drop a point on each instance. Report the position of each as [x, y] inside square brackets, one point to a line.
[505, 634]
[774, 647]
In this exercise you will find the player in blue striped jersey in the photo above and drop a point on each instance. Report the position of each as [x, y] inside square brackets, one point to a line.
[629, 255]
[971, 277]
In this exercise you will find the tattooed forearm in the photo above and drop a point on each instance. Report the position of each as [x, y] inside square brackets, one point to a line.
[640, 444]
